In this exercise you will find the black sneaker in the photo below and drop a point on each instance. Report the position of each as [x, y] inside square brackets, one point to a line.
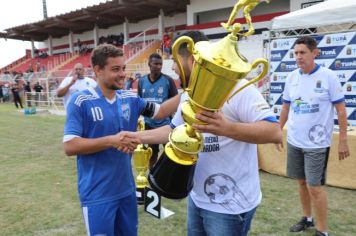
[302, 225]
[318, 233]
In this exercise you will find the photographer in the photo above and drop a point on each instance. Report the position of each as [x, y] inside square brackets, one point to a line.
[73, 84]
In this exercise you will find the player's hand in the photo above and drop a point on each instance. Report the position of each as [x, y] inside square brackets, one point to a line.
[74, 78]
[126, 141]
[216, 123]
[343, 150]
[279, 146]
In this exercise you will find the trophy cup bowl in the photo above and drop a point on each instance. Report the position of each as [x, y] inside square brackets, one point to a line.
[217, 69]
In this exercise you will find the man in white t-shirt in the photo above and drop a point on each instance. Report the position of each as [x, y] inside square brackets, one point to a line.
[226, 189]
[310, 95]
[74, 84]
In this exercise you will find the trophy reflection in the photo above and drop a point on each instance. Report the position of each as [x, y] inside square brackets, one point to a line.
[218, 68]
[141, 157]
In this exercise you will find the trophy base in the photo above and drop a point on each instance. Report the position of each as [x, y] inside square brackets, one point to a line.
[140, 196]
[171, 180]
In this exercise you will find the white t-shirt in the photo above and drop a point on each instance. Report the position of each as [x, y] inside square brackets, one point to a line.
[79, 85]
[311, 114]
[226, 177]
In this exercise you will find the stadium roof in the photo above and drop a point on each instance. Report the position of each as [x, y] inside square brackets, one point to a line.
[103, 15]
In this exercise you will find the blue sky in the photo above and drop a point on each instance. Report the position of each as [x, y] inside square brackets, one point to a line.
[19, 12]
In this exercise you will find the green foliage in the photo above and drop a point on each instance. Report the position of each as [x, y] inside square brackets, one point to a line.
[38, 189]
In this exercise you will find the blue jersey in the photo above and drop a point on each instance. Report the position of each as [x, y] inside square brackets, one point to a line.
[158, 91]
[106, 175]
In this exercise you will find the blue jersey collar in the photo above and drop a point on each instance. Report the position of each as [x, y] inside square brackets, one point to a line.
[313, 71]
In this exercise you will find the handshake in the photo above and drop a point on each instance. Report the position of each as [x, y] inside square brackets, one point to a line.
[125, 141]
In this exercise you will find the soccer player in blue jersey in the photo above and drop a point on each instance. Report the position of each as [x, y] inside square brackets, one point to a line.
[156, 87]
[96, 127]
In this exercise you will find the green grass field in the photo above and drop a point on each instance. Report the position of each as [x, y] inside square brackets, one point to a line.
[38, 194]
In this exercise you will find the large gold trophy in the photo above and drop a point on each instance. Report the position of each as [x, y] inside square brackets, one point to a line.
[217, 69]
[141, 157]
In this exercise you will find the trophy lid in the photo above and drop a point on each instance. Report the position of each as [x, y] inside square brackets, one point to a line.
[223, 53]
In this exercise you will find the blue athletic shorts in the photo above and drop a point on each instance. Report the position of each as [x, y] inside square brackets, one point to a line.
[112, 218]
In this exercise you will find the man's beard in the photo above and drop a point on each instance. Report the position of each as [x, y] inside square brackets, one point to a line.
[113, 87]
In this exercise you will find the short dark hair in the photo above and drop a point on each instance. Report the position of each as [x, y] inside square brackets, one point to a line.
[308, 41]
[154, 55]
[195, 35]
[102, 52]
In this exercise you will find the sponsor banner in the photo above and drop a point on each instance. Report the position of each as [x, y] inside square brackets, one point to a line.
[344, 64]
[351, 118]
[346, 75]
[287, 66]
[273, 65]
[276, 87]
[350, 100]
[339, 39]
[353, 41]
[278, 55]
[289, 56]
[279, 77]
[276, 109]
[325, 63]
[349, 51]
[275, 99]
[329, 52]
[349, 88]
[282, 44]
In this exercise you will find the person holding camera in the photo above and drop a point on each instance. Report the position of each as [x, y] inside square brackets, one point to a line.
[73, 84]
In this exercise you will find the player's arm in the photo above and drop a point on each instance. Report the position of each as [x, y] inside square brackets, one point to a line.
[168, 108]
[283, 117]
[63, 90]
[155, 136]
[259, 132]
[125, 141]
[343, 148]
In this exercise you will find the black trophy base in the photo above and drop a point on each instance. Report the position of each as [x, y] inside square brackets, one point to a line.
[170, 179]
[140, 196]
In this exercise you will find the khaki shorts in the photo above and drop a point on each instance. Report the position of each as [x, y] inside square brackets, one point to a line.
[308, 164]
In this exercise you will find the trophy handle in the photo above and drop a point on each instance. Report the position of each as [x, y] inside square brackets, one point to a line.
[175, 53]
[259, 77]
[140, 125]
[149, 151]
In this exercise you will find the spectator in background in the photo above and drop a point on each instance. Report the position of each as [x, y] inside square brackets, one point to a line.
[38, 66]
[74, 84]
[166, 45]
[38, 89]
[311, 96]
[15, 89]
[27, 90]
[129, 82]
[6, 92]
[79, 45]
[156, 87]
[1, 94]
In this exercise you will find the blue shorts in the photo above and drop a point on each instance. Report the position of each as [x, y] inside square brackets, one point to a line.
[112, 218]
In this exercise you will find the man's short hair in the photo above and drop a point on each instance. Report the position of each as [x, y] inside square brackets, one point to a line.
[308, 41]
[154, 55]
[102, 52]
[195, 35]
